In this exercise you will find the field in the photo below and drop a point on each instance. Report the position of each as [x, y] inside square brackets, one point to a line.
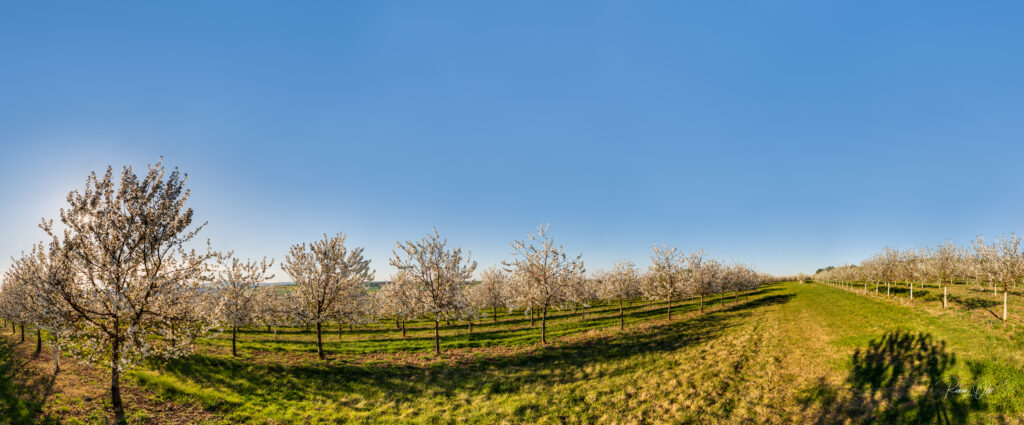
[787, 353]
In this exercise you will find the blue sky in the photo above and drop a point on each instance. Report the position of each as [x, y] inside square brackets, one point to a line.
[786, 134]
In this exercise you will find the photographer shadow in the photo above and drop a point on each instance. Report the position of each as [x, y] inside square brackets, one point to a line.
[900, 378]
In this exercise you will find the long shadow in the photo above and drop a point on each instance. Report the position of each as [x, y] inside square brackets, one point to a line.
[974, 303]
[386, 326]
[898, 290]
[988, 291]
[419, 325]
[23, 392]
[484, 336]
[899, 378]
[564, 363]
[406, 383]
[511, 329]
[599, 310]
[421, 342]
[761, 302]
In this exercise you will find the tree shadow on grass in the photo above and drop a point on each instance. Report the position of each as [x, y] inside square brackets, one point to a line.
[265, 384]
[974, 303]
[898, 290]
[402, 383]
[23, 391]
[599, 314]
[489, 336]
[518, 318]
[899, 378]
[759, 302]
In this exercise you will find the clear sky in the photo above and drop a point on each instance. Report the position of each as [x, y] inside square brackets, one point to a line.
[786, 134]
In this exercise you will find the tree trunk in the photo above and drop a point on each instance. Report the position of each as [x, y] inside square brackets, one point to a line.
[397, 324]
[702, 304]
[319, 343]
[22, 332]
[622, 321]
[115, 383]
[437, 336]
[39, 341]
[1004, 305]
[670, 309]
[544, 326]
[911, 292]
[403, 328]
[495, 312]
[339, 330]
[56, 356]
[470, 325]
[268, 328]
[531, 317]
[234, 348]
[944, 296]
[887, 289]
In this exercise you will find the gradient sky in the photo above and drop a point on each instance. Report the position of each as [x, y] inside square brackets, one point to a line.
[787, 134]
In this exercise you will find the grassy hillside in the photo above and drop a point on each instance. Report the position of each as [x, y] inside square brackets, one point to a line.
[790, 353]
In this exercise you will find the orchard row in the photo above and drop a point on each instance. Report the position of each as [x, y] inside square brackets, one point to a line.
[120, 279]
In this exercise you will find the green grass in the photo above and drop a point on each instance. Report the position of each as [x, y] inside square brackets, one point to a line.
[24, 392]
[946, 348]
[510, 330]
[791, 354]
